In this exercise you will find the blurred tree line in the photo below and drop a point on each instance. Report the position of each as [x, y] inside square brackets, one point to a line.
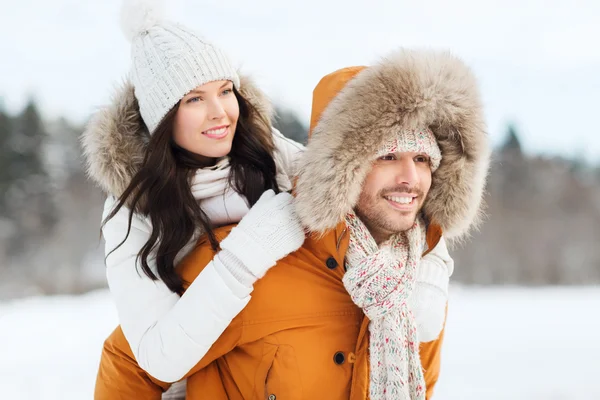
[543, 223]
[49, 212]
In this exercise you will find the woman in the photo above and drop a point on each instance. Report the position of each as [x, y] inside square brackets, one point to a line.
[202, 153]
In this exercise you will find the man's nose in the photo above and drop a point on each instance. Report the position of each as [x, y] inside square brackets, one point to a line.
[407, 172]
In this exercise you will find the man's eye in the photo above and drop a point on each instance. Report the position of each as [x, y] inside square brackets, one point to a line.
[388, 157]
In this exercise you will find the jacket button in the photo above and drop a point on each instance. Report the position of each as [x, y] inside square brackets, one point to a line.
[272, 397]
[331, 263]
[339, 358]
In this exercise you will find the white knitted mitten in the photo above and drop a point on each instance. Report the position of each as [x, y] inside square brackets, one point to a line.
[270, 231]
[430, 295]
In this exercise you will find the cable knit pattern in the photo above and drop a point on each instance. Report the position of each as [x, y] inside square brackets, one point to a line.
[380, 280]
[168, 60]
[415, 140]
[430, 295]
[270, 231]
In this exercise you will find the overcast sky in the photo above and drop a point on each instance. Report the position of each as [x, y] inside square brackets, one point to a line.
[536, 61]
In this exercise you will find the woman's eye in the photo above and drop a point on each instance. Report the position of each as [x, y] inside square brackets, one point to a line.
[193, 99]
[227, 91]
[388, 157]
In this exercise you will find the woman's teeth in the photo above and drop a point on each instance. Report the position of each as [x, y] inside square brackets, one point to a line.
[216, 132]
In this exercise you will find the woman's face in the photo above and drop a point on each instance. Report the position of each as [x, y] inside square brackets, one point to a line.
[206, 120]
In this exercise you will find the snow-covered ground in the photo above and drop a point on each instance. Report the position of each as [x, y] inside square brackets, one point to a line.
[501, 343]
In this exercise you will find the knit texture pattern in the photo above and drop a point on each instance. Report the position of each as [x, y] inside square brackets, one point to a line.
[270, 231]
[416, 141]
[168, 59]
[380, 280]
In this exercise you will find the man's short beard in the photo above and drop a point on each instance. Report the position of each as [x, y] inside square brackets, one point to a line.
[379, 225]
[376, 219]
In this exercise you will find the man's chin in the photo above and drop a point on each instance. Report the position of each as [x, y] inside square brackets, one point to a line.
[404, 223]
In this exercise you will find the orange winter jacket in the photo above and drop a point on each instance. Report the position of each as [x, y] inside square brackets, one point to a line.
[300, 336]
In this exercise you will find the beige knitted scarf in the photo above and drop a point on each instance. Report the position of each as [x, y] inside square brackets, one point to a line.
[380, 279]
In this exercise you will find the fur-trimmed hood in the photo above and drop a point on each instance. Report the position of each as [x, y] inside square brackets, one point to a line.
[116, 137]
[408, 89]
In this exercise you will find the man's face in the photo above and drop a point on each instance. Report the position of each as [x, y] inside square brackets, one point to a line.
[393, 193]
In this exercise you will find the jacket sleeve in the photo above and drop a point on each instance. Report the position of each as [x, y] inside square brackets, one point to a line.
[121, 377]
[168, 334]
[288, 153]
[431, 358]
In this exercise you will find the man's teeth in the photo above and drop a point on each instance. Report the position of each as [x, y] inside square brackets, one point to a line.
[401, 200]
[216, 131]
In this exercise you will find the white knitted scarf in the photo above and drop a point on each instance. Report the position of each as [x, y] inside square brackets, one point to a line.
[214, 181]
[380, 280]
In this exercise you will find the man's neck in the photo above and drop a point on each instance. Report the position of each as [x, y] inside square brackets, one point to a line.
[381, 238]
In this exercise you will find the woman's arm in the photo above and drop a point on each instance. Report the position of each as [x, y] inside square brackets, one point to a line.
[169, 334]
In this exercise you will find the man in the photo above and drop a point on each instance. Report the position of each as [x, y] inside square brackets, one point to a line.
[398, 155]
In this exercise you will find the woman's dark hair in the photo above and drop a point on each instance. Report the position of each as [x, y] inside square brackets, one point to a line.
[161, 188]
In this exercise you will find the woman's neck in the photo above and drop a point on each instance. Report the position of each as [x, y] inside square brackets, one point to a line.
[205, 162]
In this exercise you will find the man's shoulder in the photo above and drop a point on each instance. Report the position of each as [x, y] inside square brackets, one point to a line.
[202, 253]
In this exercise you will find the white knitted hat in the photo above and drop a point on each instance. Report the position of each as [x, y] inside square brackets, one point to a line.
[168, 59]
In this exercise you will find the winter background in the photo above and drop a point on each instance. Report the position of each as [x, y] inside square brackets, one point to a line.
[525, 301]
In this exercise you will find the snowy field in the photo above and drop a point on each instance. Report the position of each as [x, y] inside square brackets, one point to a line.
[502, 343]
